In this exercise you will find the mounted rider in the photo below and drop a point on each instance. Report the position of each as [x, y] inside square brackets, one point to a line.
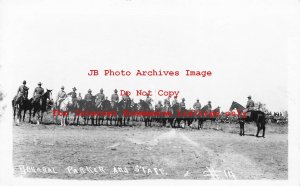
[22, 92]
[197, 105]
[250, 104]
[89, 96]
[167, 102]
[158, 106]
[73, 94]
[99, 97]
[209, 107]
[175, 101]
[79, 97]
[62, 95]
[149, 101]
[115, 97]
[182, 104]
[38, 92]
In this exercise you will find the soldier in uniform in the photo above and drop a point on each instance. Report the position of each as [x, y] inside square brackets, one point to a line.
[175, 101]
[115, 96]
[209, 107]
[182, 104]
[22, 92]
[89, 96]
[197, 105]
[250, 104]
[158, 106]
[73, 93]
[167, 102]
[99, 97]
[38, 92]
[79, 97]
[149, 101]
[60, 96]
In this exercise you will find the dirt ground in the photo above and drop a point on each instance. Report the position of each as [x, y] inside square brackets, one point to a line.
[137, 152]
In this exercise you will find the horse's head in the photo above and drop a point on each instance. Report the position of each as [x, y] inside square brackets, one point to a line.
[217, 109]
[236, 105]
[48, 94]
[205, 108]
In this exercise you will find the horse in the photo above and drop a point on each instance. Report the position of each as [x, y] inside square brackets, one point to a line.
[89, 107]
[64, 109]
[105, 109]
[40, 105]
[256, 116]
[20, 105]
[175, 109]
[123, 105]
[144, 107]
[201, 118]
[114, 110]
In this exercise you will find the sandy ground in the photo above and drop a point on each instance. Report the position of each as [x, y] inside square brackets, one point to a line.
[102, 152]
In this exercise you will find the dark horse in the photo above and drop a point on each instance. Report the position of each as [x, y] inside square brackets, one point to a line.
[40, 105]
[123, 105]
[105, 111]
[256, 116]
[144, 107]
[204, 114]
[89, 107]
[23, 104]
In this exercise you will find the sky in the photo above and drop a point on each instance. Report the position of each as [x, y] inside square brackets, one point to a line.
[243, 45]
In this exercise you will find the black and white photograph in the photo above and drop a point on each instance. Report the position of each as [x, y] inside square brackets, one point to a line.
[139, 90]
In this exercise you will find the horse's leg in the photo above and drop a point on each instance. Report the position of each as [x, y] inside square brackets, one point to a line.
[42, 115]
[258, 128]
[263, 128]
[241, 127]
[14, 112]
[29, 116]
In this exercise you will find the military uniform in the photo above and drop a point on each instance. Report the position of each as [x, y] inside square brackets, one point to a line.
[99, 98]
[209, 107]
[158, 106]
[167, 102]
[73, 95]
[115, 97]
[37, 93]
[88, 97]
[60, 97]
[197, 106]
[182, 104]
[250, 104]
[22, 93]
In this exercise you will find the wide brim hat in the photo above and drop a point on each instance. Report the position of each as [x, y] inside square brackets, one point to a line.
[62, 87]
[74, 88]
[39, 83]
[249, 96]
[89, 90]
[115, 90]
[24, 82]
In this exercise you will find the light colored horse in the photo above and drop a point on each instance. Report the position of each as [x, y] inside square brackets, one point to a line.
[64, 110]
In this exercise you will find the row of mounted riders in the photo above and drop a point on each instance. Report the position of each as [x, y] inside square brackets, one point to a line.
[44, 103]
